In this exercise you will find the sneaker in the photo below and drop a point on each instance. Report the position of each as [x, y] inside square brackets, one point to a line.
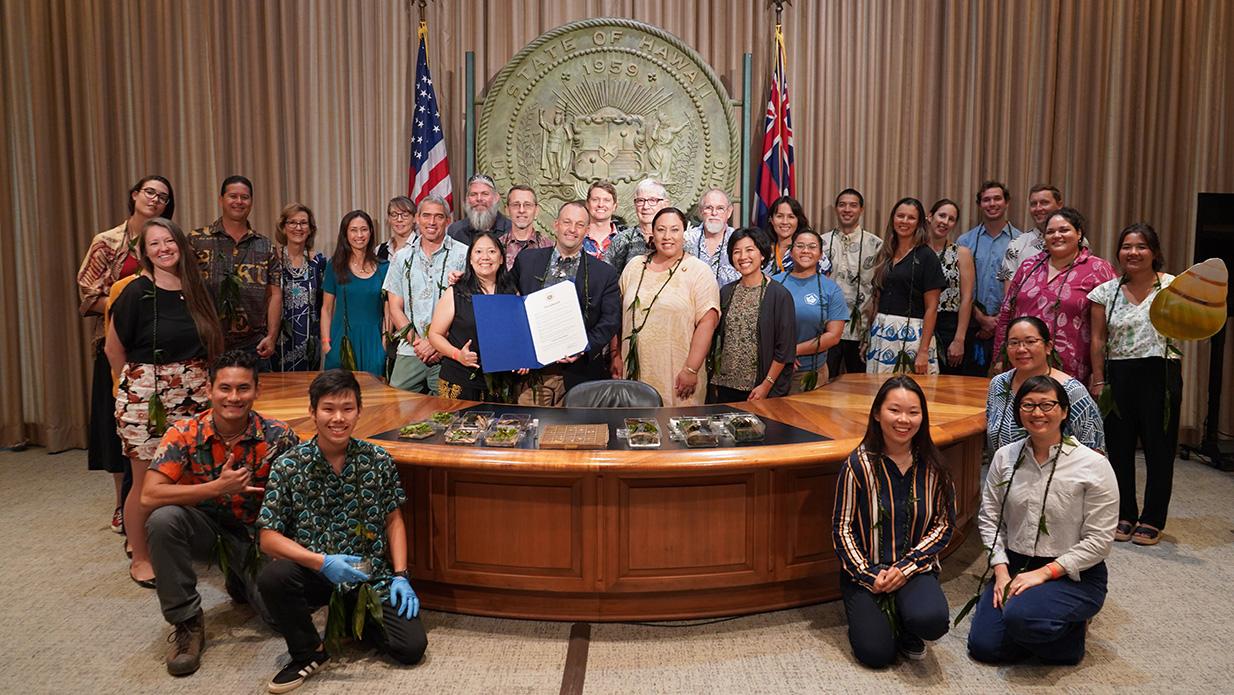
[188, 641]
[911, 647]
[295, 673]
[117, 520]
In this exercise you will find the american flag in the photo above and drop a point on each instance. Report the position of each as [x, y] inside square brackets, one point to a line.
[430, 168]
[775, 175]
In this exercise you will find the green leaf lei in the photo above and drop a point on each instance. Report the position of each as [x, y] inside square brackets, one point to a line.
[632, 363]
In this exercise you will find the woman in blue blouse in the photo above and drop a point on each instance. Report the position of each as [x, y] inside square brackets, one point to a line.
[821, 310]
[1028, 350]
[299, 346]
[894, 513]
[351, 308]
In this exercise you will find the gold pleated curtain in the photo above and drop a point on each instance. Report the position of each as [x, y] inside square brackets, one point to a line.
[1123, 104]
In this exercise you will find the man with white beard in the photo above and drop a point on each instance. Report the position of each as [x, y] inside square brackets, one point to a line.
[709, 241]
[481, 211]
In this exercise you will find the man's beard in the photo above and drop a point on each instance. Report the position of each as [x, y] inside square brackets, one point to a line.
[714, 226]
[480, 219]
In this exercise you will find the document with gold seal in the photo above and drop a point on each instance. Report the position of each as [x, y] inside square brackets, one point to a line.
[607, 99]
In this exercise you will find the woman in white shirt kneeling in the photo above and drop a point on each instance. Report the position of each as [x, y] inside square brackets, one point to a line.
[1048, 514]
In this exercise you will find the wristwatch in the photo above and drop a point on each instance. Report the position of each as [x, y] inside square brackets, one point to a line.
[402, 573]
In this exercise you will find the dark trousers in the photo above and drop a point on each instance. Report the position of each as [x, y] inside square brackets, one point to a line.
[724, 394]
[178, 536]
[1141, 389]
[847, 353]
[944, 332]
[1048, 621]
[293, 593]
[921, 610]
[978, 353]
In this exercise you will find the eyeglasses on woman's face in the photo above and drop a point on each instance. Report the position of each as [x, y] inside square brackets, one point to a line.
[1043, 406]
[1030, 343]
[155, 194]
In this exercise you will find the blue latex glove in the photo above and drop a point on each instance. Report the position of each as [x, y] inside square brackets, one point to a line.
[338, 571]
[403, 598]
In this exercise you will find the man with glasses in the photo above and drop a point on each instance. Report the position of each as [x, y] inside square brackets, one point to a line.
[243, 272]
[523, 235]
[481, 211]
[598, 296]
[419, 274]
[709, 241]
[989, 242]
[650, 197]
[852, 252]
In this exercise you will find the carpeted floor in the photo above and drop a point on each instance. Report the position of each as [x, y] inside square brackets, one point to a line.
[71, 621]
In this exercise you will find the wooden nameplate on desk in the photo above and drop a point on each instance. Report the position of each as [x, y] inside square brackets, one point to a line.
[574, 437]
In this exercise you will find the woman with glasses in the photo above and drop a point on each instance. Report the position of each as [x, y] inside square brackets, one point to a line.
[786, 216]
[400, 214]
[299, 345]
[754, 347]
[352, 308]
[1137, 377]
[820, 309]
[955, 303]
[894, 514]
[907, 282]
[1029, 347]
[670, 308]
[1048, 512]
[113, 255]
[1054, 287]
[650, 197]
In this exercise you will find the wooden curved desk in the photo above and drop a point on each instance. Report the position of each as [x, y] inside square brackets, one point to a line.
[638, 535]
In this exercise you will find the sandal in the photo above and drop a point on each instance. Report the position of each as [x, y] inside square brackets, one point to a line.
[128, 549]
[1123, 531]
[1146, 535]
[144, 583]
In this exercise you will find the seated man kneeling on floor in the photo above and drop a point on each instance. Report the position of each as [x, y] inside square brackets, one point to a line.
[204, 490]
[332, 503]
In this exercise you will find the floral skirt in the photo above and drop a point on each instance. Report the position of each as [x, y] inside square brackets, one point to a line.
[181, 388]
[891, 335]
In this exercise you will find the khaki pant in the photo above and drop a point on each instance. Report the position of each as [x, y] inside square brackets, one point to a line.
[800, 375]
[543, 390]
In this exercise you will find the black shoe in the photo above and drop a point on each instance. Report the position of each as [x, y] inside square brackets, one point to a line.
[911, 647]
[295, 673]
[188, 641]
[236, 590]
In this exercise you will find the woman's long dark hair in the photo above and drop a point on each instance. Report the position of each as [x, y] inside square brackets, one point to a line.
[891, 240]
[923, 446]
[169, 209]
[795, 207]
[469, 283]
[342, 248]
[200, 305]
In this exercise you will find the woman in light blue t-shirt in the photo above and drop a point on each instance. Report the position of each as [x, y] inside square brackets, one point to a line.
[821, 310]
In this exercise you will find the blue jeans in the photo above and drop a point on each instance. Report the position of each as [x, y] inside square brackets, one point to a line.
[1048, 621]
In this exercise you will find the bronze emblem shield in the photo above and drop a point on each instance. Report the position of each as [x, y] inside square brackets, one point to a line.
[607, 99]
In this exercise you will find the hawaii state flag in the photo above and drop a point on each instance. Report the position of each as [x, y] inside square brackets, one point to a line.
[775, 174]
[430, 168]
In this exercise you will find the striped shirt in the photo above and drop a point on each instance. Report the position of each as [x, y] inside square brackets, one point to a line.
[887, 519]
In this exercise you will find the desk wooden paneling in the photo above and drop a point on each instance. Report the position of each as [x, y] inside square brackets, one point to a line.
[638, 535]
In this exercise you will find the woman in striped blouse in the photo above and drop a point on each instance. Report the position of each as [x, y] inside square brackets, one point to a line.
[894, 513]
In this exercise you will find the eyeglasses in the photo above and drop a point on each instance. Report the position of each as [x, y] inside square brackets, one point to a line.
[1043, 406]
[805, 247]
[715, 208]
[400, 214]
[645, 202]
[521, 205]
[296, 223]
[1029, 343]
[156, 195]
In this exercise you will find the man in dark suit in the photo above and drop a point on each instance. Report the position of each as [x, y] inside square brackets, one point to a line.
[598, 295]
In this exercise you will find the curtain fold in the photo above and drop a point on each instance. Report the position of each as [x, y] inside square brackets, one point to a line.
[1123, 104]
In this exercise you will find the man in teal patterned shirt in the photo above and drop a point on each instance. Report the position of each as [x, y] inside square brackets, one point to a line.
[333, 504]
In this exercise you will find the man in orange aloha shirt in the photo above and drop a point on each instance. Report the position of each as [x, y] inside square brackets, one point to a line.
[205, 489]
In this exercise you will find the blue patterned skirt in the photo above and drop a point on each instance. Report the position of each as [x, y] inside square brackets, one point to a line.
[891, 335]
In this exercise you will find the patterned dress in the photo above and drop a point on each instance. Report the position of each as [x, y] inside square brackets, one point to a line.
[299, 346]
[1062, 302]
[1083, 419]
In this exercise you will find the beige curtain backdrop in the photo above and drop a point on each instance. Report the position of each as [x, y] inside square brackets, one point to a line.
[1123, 104]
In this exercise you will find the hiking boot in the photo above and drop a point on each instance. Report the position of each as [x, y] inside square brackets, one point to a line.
[911, 647]
[295, 673]
[188, 641]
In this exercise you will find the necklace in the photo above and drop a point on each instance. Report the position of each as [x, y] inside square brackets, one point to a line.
[854, 278]
[632, 366]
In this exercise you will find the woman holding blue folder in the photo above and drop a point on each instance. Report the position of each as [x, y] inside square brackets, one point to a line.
[453, 330]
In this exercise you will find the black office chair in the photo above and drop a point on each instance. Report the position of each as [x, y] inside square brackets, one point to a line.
[613, 393]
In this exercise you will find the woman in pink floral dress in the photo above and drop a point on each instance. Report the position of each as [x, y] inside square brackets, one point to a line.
[1053, 286]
